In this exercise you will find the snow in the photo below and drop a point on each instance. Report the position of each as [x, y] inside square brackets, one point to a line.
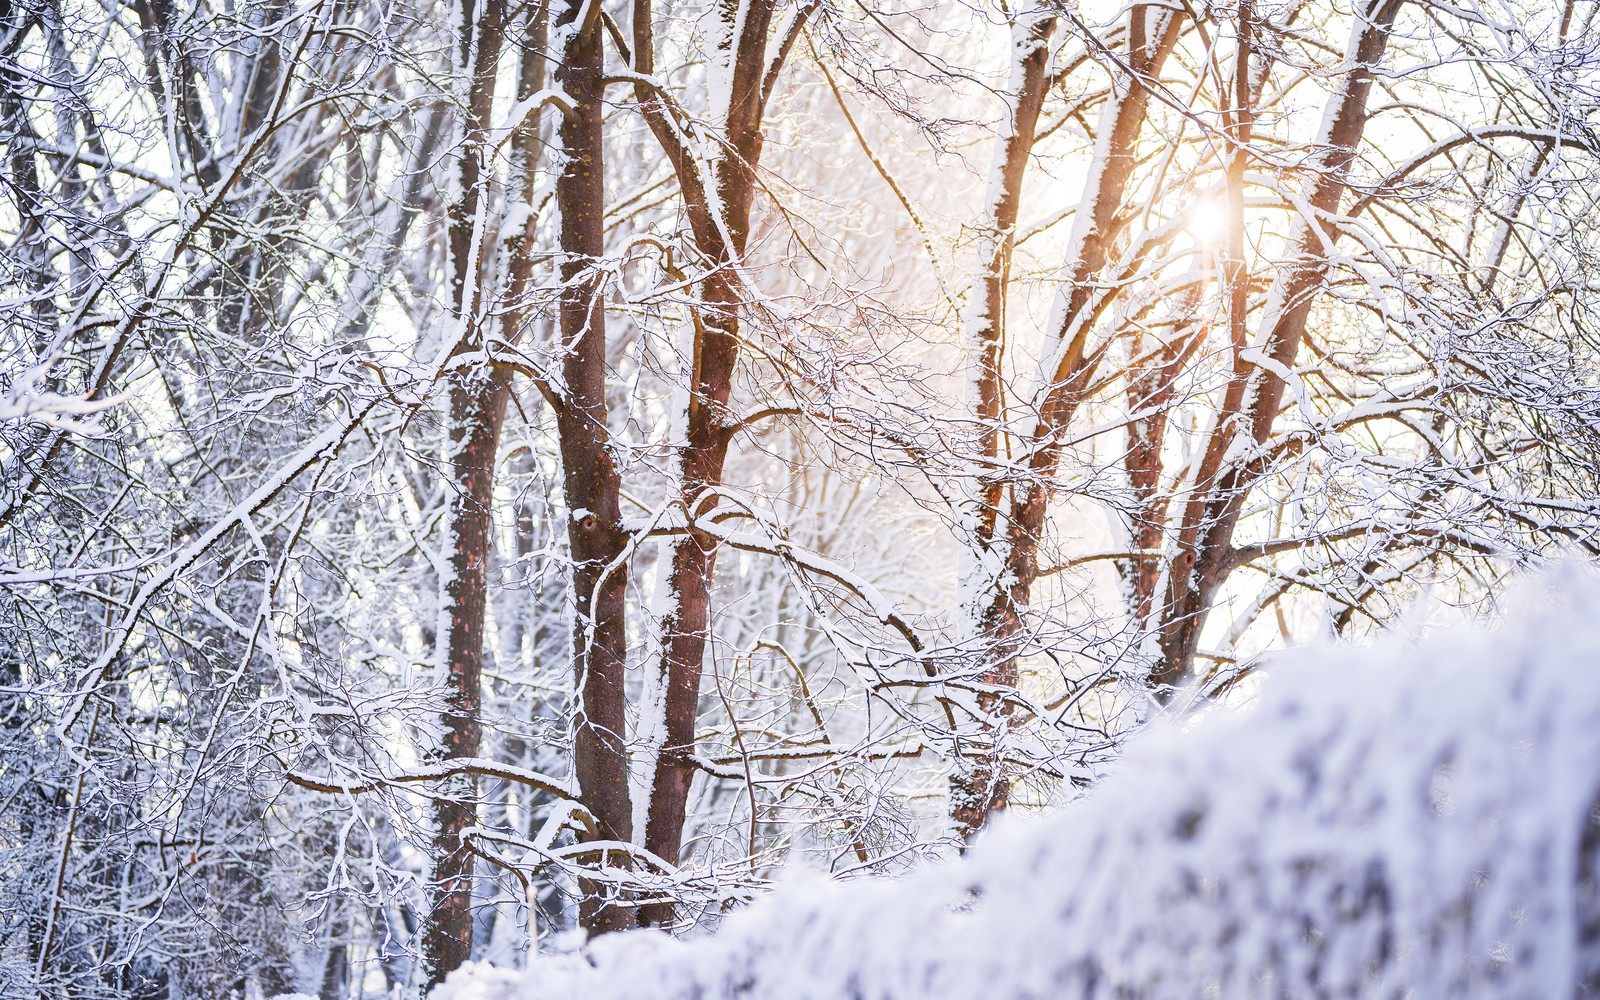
[1416, 818]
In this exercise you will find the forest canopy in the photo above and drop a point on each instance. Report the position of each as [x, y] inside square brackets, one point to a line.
[479, 473]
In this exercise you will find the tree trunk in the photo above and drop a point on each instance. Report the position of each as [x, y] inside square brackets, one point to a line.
[976, 787]
[721, 239]
[476, 412]
[1013, 546]
[590, 477]
[685, 629]
[1205, 554]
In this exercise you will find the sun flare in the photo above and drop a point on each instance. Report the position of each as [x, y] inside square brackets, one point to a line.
[1208, 221]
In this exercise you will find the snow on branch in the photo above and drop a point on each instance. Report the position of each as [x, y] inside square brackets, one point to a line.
[481, 767]
[1406, 820]
[770, 542]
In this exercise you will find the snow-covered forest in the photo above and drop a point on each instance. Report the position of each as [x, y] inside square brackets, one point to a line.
[1442, 840]
[477, 477]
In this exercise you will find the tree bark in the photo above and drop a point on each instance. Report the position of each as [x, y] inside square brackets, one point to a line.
[590, 477]
[477, 402]
[720, 237]
[1230, 466]
[1013, 545]
[976, 787]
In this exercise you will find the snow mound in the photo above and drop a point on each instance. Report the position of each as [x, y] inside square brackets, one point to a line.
[1408, 820]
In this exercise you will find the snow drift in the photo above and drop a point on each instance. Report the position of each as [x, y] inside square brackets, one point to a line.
[1409, 820]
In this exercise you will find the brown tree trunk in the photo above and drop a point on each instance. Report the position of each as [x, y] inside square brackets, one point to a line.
[476, 412]
[518, 263]
[1150, 391]
[1152, 34]
[977, 787]
[1150, 396]
[1251, 402]
[589, 473]
[685, 630]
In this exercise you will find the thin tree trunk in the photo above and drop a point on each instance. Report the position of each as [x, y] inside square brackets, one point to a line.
[590, 477]
[1013, 546]
[720, 238]
[1229, 469]
[1150, 396]
[976, 788]
[478, 396]
[685, 629]
[526, 145]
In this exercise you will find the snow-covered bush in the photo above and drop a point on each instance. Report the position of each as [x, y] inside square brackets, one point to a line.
[1414, 820]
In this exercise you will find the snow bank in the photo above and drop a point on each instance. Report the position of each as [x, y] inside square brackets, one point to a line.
[1410, 820]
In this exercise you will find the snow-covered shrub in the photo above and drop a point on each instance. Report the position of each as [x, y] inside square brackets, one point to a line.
[1413, 820]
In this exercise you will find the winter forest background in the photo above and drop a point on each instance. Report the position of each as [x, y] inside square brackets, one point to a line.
[477, 471]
